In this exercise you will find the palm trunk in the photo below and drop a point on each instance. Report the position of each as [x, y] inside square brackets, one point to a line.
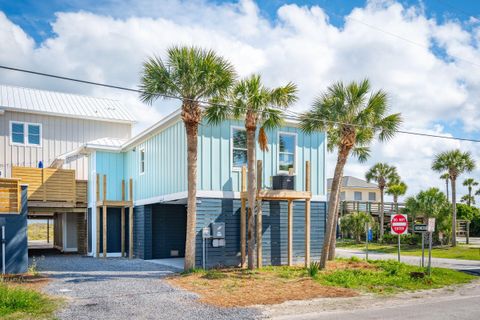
[252, 191]
[395, 199]
[333, 205]
[454, 213]
[446, 184]
[333, 240]
[192, 137]
[469, 202]
[382, 213]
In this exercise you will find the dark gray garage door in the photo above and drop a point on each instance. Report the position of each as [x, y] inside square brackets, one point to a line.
[168, 231]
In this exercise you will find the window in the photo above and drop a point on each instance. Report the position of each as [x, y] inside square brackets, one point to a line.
[29, 134]
[239, 148]
[357, 196]
[286, 151]
[372, 196]
[17, 133]
[342, 196]
[142, 161]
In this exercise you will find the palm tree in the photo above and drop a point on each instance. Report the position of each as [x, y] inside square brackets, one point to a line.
[469, 183]
[396, 190]
[351, 116]
[446, 177]
[456, 163]
[384, 175]
[191, 74]
[428, 204]
[261, 108]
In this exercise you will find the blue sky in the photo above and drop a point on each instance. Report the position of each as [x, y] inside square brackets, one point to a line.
[35, 16]
[432, 85]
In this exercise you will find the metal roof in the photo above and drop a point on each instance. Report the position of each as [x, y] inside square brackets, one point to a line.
[352, 182]
[62, 104]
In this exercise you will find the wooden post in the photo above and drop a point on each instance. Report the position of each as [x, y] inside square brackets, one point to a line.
[97, 211]
[48, 230]
[130, 219]
[122, 223]
[98, 231]
[307, 215]
[44, 186]
[104, 216]
[19, 197]
[259, 214]
[243, 221]
[290, 232]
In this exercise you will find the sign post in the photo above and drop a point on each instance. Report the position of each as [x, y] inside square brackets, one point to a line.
[430, 229]
[367, 234]
[399, 226]
[421, 228]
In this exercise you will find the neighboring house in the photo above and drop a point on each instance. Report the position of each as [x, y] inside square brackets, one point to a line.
[156, 161]
[37, 127]
[354, 189]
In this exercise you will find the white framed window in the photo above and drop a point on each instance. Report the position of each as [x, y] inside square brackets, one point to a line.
[239, 148]
[25, 134]
[287, 143]
[357, 196]
[372, 196]
[142, 160]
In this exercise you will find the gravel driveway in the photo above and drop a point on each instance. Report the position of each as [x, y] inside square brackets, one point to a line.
[118, 289]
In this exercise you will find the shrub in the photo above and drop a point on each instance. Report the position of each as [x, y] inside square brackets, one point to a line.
[410, 239]
[354, 224]
[313, 269]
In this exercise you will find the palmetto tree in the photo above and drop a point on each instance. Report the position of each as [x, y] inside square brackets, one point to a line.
[384, 175]
[261, 108]
[469, 183]
[429, 204]
[396, 190]
[446, 177]
[192, 74]
[455, 162]
[351, 116]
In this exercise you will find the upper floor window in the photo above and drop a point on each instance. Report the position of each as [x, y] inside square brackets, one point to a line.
[286, 151]
[22, 133]
[357, 196]
[142, 161]
[372, 196]
[239, 148]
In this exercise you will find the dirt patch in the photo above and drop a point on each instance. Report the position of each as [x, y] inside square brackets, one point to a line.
[26, 281]
[234, 287]
[349, 264]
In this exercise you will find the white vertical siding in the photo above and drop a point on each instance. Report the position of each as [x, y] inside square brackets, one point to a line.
[59, 135]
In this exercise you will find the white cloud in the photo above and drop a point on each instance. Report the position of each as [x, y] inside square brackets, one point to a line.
[300, 45]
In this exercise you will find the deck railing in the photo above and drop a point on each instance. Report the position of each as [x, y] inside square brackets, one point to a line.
[10, 195]
[370, 207]
[52, 185]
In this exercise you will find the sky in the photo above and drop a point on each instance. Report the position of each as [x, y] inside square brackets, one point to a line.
[425, 54]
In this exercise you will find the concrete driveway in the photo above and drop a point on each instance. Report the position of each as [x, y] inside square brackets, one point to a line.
[121, 289]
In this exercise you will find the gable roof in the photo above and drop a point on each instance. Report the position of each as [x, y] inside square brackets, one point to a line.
[352, 182]
[54, 103]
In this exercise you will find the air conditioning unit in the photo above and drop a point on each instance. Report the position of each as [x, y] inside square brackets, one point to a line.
[283, 182]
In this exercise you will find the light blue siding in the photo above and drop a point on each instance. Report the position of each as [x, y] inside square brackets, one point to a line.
[214, 158]
[166, 162]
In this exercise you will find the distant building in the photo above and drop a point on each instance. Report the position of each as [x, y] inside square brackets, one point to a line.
[355, 189]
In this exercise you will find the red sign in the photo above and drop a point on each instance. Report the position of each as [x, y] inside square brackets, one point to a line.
[399, 224]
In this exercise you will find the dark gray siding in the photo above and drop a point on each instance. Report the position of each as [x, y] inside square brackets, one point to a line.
[114, 227]
[168, 230]
[274, 231]
[16, 247]
[89, 231]
[142, 232]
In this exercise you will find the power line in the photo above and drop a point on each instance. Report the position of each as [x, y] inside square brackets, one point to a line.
[293, 115]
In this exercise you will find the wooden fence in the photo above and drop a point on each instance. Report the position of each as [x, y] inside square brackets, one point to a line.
[10, 195]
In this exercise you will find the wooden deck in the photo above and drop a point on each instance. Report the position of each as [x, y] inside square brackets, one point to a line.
[10, 196]
[48, 191]
[374, 208]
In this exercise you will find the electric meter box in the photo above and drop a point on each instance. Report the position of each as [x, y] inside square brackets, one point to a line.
[218, 230]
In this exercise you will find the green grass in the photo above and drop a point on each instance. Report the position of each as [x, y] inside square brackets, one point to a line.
[38, 231]
[390, 277]
[458, 252]
[18, 303]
